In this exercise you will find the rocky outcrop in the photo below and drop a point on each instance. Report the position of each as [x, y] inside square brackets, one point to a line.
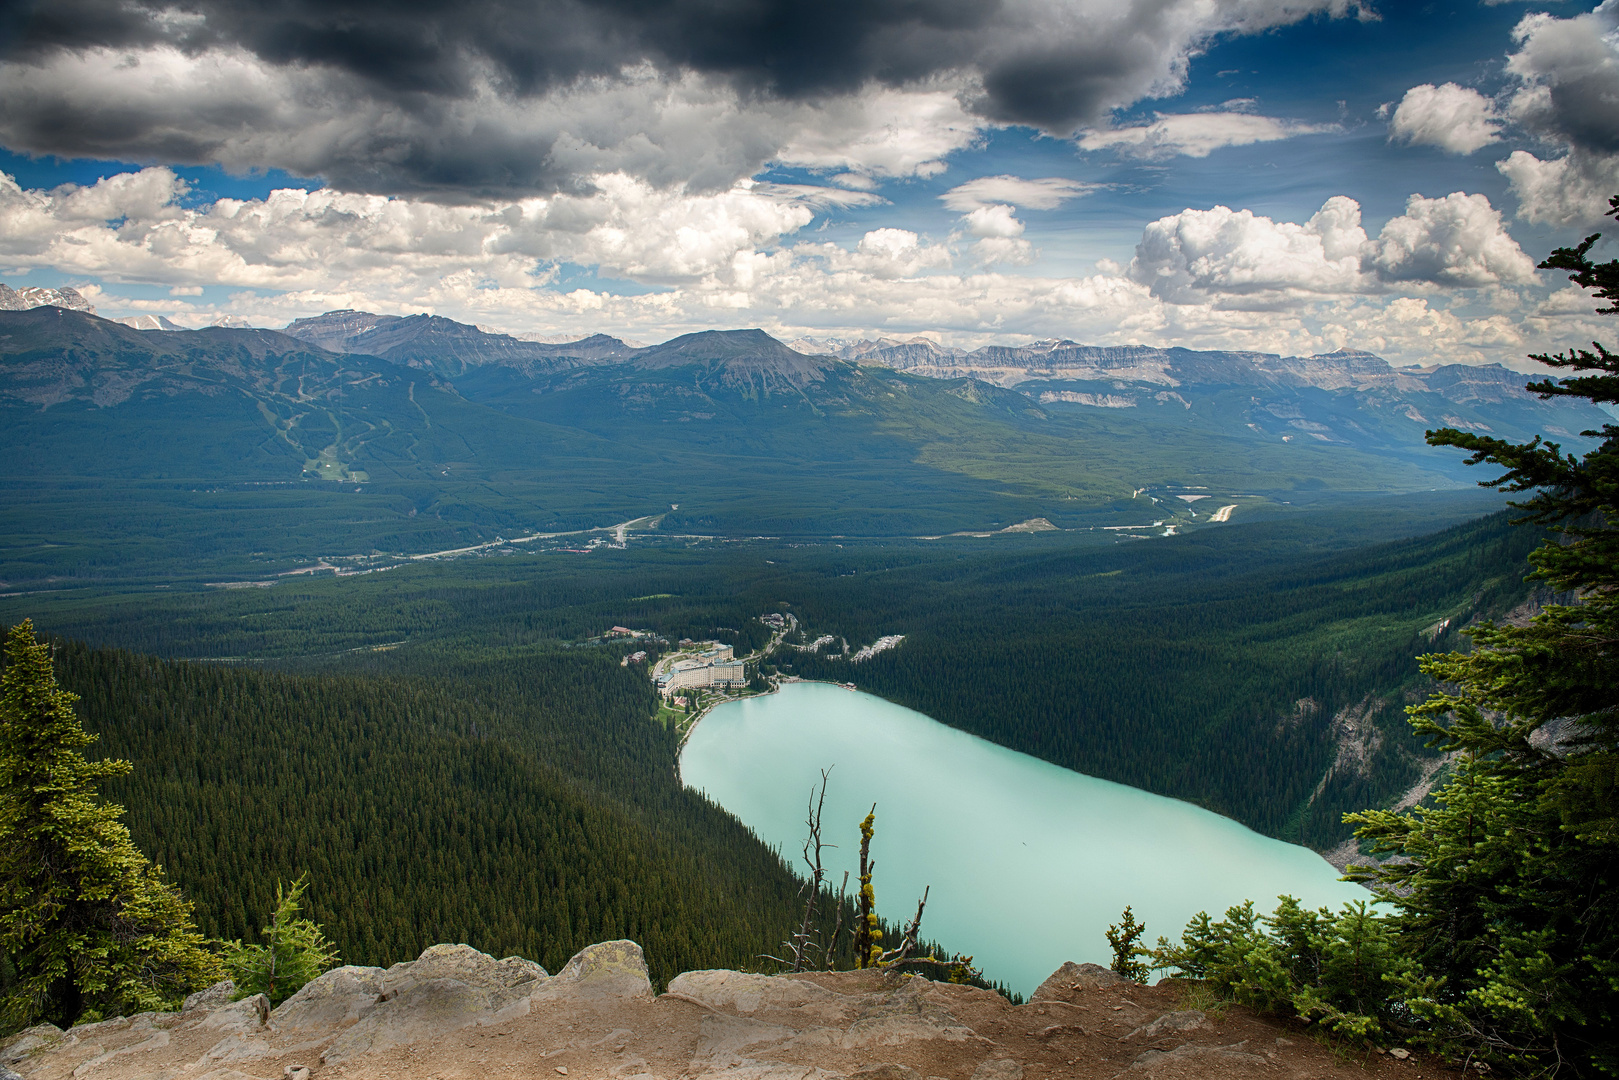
[457, 1014]
[1070, 977]
[23, 299]
[216, 996]
[447, 988]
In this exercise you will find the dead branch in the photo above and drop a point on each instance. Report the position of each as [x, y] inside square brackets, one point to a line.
[803, 941]
[907, 943]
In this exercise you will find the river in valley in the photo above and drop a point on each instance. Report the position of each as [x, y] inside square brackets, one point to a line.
[1028, 862]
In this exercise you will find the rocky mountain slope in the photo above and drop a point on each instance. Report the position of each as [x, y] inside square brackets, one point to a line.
[1346, 397]
[456, 1013]
[443, 345]
[56, 356]
[1345, 369]
[479, 434]
[34, 297]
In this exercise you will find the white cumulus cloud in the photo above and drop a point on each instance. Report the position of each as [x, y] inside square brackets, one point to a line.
[1568, 96]
[1457, 240]
[1193, 134]
[1239, 258]
[131, 227]
[993, 221]
[1457, 119]
[1044, 193]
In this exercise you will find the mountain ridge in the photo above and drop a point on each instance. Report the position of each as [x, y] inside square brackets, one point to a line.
[452, 348]
[1063, 360]
[458, 437]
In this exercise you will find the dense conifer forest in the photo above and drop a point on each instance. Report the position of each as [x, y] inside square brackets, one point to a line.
[528, 806]
[1213, 667]
[1233, 690]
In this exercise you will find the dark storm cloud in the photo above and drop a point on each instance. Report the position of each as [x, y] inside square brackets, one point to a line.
[463, 99]
[1584, 112]
[1572, 68]
[787, 48]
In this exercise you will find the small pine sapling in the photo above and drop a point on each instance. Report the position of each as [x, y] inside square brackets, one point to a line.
[293, 953]
[1125, 937]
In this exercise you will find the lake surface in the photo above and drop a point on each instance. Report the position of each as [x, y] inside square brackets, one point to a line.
[1028, 862]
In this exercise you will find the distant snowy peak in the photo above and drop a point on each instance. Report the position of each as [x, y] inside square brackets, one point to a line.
[150, 322]
[33, 297]
[163, 322]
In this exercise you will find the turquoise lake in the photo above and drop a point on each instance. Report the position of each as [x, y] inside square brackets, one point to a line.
[1028, 862]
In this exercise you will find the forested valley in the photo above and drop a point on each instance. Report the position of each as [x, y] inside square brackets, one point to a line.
[525, 807]
[1176, 665]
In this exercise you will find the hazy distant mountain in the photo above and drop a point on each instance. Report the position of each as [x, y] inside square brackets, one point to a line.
[456, 434]
[443, 345]
[1151, 369]
[555, 339]
[1361, 393]
[150, 322]
[33, 297]
[54, 357]
[750, 358]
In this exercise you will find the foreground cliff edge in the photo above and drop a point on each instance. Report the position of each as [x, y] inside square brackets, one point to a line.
[456, 1012]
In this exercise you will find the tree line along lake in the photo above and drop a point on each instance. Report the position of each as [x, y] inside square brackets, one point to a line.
[1027, 862]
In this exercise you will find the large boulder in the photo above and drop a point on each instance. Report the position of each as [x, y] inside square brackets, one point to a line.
[1172, 1023]
[998, 1069]
[1191, 1061]
[752, 1018]
[212, 998]
[901, 1015]
[240, 1017]
[613, 969]
[1073, 977]
[747, 993]
[447, 988]
[338, 998]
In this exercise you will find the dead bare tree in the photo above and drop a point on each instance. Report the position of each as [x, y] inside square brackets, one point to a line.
[907, 943]
[805, 940]
[959, 968]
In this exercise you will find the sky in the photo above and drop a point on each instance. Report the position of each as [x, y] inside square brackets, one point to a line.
[1285, 176]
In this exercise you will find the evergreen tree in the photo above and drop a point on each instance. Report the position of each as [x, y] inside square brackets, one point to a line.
[88, 924]
[1510, 897]
[1125, 939]
[293, 953]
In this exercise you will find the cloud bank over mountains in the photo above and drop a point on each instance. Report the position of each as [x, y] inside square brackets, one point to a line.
[1238, 259]
[573, 165]
[1200, 277]
[506, 98]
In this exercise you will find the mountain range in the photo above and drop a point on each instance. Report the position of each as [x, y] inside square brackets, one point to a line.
[1051, 372]
[390, 433]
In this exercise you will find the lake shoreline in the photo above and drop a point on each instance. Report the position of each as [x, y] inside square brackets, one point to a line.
[1028, 862]
[1336, 857]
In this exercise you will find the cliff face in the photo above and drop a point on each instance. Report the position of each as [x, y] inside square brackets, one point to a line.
[456, 1013]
